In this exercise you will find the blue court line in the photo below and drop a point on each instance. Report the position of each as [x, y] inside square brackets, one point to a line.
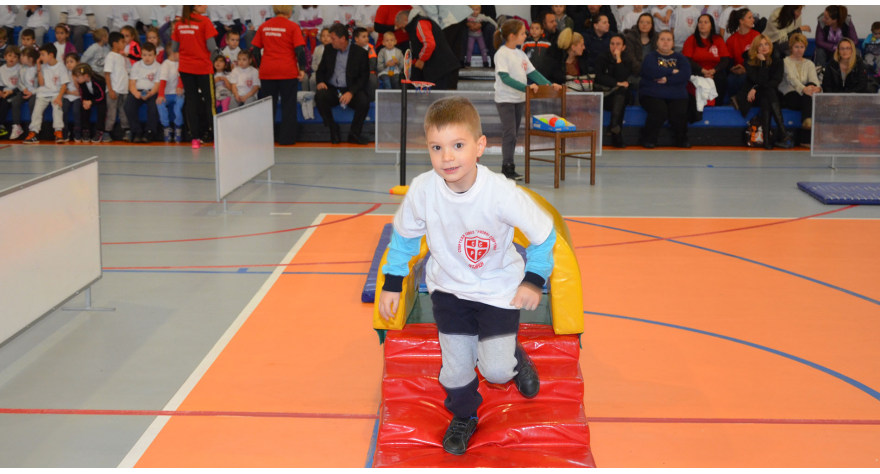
[855, 383]
[240, 271]
[374, 439]
[707, 249]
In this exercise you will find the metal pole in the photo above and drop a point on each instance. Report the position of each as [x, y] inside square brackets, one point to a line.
[88, 307]
[403, 134]
[833, 164]
[225, 211]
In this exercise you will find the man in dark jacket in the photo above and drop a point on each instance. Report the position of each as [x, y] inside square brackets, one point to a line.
[549, 64]
[433, 59]
[342, 77]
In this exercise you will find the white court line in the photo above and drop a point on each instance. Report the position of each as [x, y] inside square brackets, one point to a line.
[156, 426]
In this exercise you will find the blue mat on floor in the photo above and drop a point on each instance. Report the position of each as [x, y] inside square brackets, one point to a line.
[843, 193]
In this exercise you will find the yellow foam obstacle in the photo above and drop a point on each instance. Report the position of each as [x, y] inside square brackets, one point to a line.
[566, 293]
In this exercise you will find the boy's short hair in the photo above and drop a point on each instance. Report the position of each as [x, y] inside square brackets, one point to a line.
[875, 26]
[99, 34]
[454, 110]
[233, 32]
[357, 31]
[75, 56]
[389, 34]
[14, 50]
[148, 47]
[29, 33]
[116, 37]
[49, 48]
[31, 53]
[339, 30]
[61, 26]
[3, 34]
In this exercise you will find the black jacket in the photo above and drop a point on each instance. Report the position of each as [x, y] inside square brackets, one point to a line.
[609, 72]
[548, 63]
[856, 81]
[595, 46]
[762, 77]
[98, 93]
[634, 48]
[442, 61]
[357, 69]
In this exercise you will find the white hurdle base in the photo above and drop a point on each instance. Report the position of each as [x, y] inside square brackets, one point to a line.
[88, 306]
[225, 211]
[268, 179]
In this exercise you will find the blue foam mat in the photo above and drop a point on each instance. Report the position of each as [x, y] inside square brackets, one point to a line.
[843, 193]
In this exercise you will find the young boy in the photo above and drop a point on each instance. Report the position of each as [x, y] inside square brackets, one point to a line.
[390, 60]
[475, 276]
[53, 78]
[9, 86]
[143, 88]
[170, 97]
[871, 49]
[536, 46]
[230, 52]
[116, 75]
[362, 38]
[27, 86]
[94, 56]
[3, 45]
[38, 21]
[28, 39]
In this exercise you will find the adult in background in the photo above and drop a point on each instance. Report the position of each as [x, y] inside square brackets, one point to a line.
[845, 72]
[613, 68]
[799, 82]
[386, 16]
[742, 34]
[548, 64]
[453, 20]
[763, 76]
[784, 21]
[593, 12]
[433, 59]
[81, 20]
[663, 91]
[282, 66]
[707, 53]
[597, 40]
[573, 69]
[193, 38]
[343, 76]
[640, 40]
[835, 23]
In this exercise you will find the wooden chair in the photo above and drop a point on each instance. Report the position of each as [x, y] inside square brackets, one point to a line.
[560, 152]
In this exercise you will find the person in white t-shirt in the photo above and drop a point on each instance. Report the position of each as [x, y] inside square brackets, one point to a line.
[684, 23]
[662, 15]
[120, 16]
[170, 97]
[9, 77]
[513, 69]
[163, 14]
[38, 19]
[226, 19]
[143, 88]
[232, 48]
[72, 99]
[53, 78]
[477, 280]
[715, 12]
[632, 18]
[81, 20]
[8, 14]
[245, 81]
[254, 16]
[116, 77]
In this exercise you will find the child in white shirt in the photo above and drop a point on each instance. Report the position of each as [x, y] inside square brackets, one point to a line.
[72, 99]
[662, 15]
[684, 22]
[120, 16]
[53, 78]
[38, 19]
[9, 77]
[97, 52]
[245, 81]
[170, 97]
[116, 77]
[231, 50]
[27, 86]
[81, 20]
[163, 14]
[143, 88]
[631, 18]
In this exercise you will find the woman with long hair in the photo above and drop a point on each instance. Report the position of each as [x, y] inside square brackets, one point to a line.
[663, 91]
[784, 21]
[846, 72]
[800, 82]
[613, 68]
[835, 24]
[708, 55]
[742, 35]
[193, 38]
[763, 76]
[640, 40]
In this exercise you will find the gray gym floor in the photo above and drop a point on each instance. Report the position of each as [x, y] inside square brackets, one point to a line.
[137, 357]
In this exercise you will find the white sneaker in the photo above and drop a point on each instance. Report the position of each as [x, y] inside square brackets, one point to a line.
[16, 132]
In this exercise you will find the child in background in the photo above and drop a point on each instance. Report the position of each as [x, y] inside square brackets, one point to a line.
[390, 61]
[245, 80]
[536, 46]
[170, 97]
[254, 16]
[53, 78]
[61, 44]
[662, 17]
[27, 38]
[871, 49]
[230, 52]
[38, 20]
[310, 20]
[477, 292]
[631, 18]
[563, 21]
[8, 13]
[143, 88]
[715, 12]
[80, 19]
[475, 34]
[226, 19]
[116, 78]
[153, 37]
[684, 23]
[122, 16]
[366, 18]
[92, 89]
[163, 14]
[362, 38]
[311, 84]
[9, 77]
[132, 45]
[71, 99]
[512, 71]
[4, 44]
[94, 56]
[27, 84]
[222, 86]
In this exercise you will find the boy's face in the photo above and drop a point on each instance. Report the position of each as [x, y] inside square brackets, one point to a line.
[119, 45]
[389, 42]
[172, 56]
[48, 58]
[362, 39]
[558, 10]
[232, 41]
[325, 37]
[61, 35]
[2, 41]
[454, 153]
[148, 57]
[11, 59]
[536, 30]
[27, 41]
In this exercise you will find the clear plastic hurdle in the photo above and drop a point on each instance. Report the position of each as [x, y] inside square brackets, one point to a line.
[845, 125]
[584, 109]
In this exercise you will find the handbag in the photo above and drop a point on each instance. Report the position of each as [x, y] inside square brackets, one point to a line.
[583, 83]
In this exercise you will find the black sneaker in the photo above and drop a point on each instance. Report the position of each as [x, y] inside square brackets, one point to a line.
[455, 441]
[357, 139]
[526, 379]
[509, 172]
[684, 144]
[617, 140]
[648, 145]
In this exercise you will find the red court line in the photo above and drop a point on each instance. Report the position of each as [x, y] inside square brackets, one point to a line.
[373, 208]
[786, 221]
[236, 266]
[240, 202]
[368, 416]
[5, 146]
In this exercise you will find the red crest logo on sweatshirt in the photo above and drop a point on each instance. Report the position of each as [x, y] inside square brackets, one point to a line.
[475, 245]
[125, 17]
[79, 11]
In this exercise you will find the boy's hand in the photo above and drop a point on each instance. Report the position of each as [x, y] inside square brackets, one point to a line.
[160, 100]
[27, 94]
[87, 104]
[57, 101]
[179, 91]
[112, 94]
[388, 301]
[527, 297]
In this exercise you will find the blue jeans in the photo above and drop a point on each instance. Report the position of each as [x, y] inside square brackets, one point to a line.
[177, 103]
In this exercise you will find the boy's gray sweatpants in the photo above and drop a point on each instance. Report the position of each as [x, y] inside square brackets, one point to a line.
[114, 107]
[511, 115]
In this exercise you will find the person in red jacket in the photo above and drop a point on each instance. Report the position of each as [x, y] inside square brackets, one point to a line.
[384, 22]
[283, 66]
[708, 55]
[193, 39]
[741, 28]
